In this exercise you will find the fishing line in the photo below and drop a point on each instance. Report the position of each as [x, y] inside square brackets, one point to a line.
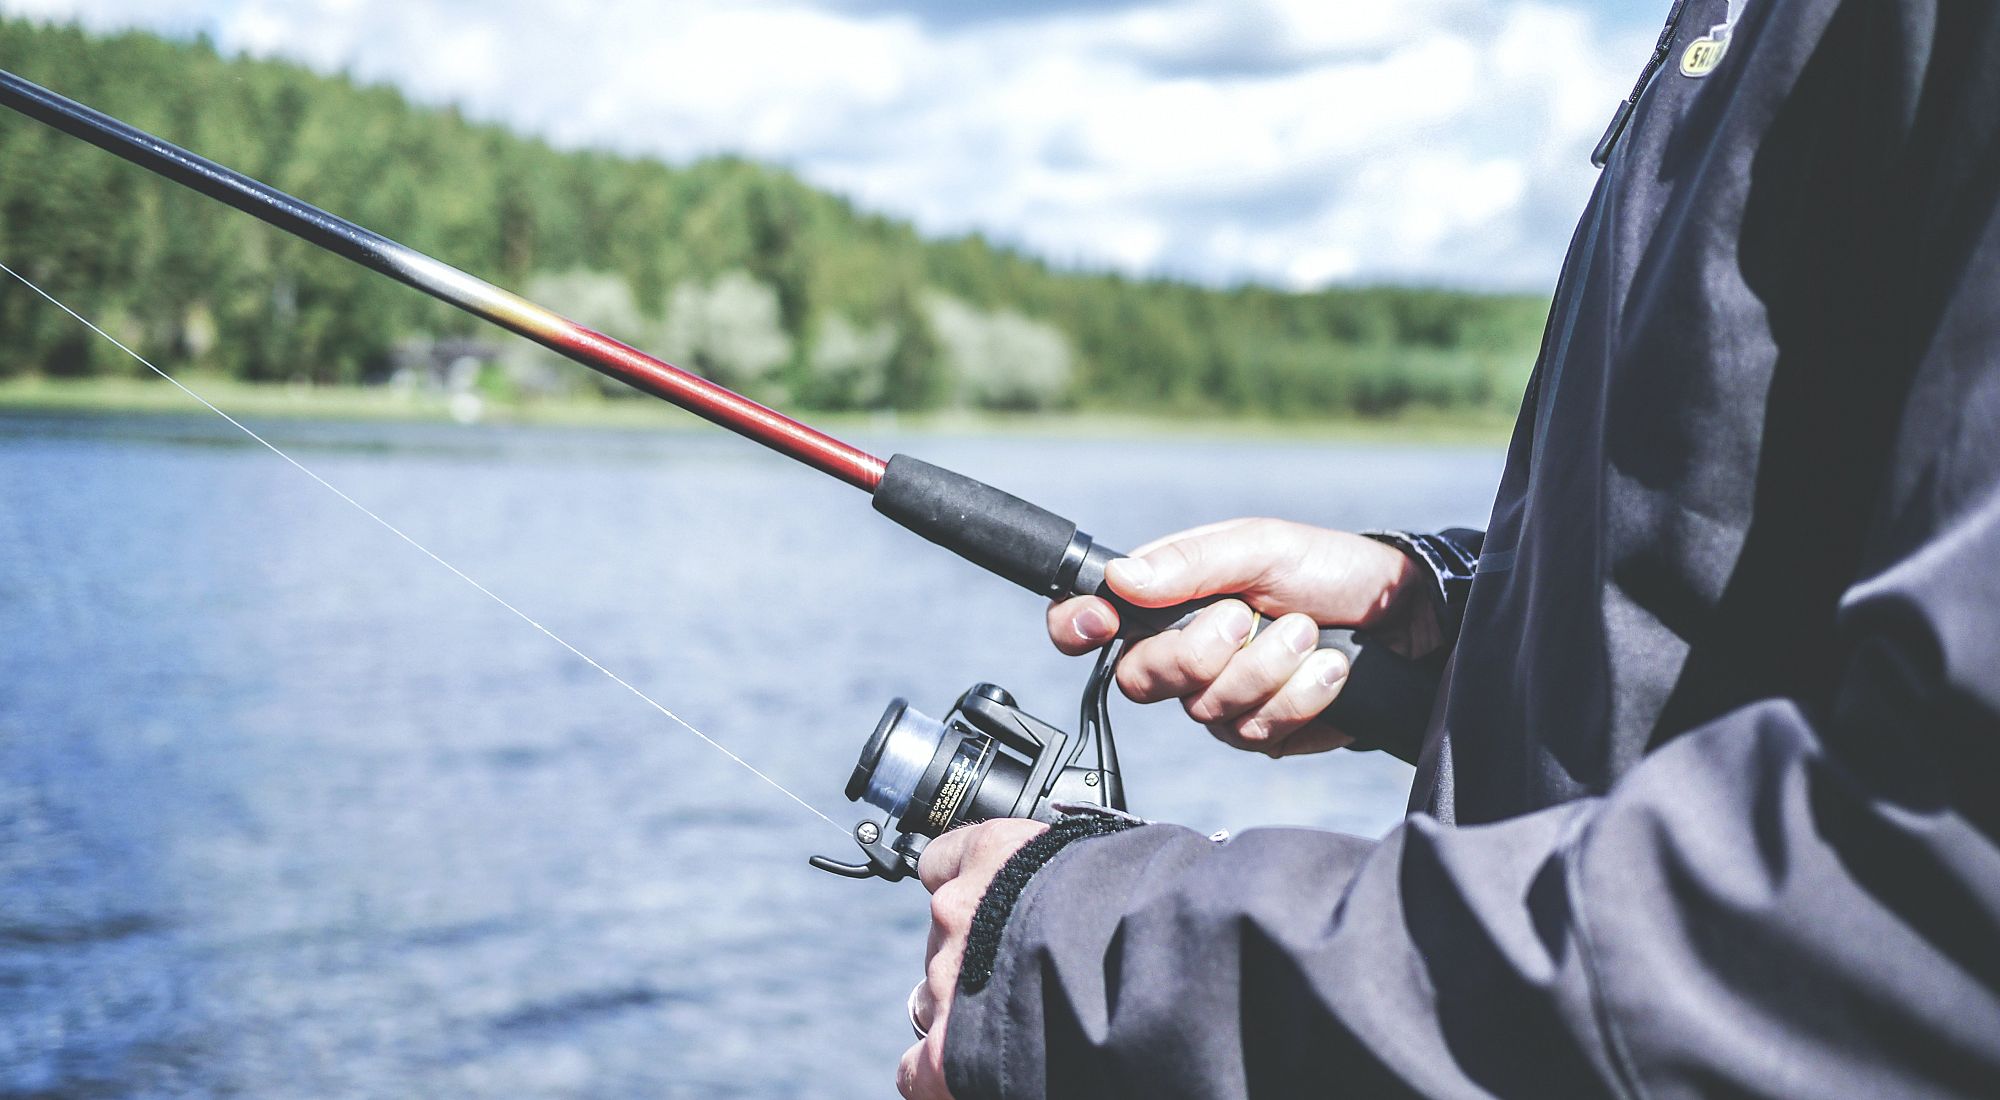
[427, 552]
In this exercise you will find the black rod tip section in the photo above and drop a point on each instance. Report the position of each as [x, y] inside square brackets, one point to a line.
[995, 530]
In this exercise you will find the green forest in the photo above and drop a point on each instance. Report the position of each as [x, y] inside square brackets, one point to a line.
[731, 268]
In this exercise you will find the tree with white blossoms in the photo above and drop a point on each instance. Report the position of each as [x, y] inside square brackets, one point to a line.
[729, 329]
[849, 363]
[1000, 359]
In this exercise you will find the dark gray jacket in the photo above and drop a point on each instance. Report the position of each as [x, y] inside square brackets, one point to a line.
[1711, 801]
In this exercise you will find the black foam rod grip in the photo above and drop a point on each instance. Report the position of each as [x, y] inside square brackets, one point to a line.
[997, 531]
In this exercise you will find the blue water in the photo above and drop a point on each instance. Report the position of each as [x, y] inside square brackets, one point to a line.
[288, 810]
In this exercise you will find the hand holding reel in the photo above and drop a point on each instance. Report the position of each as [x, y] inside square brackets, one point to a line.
[989, 758]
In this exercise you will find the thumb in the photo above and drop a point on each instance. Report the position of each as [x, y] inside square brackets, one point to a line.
[1207, 563]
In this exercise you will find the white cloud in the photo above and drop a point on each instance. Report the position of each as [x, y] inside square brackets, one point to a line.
[1295, 141]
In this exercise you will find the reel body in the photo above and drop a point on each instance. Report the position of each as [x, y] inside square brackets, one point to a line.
[986, 759]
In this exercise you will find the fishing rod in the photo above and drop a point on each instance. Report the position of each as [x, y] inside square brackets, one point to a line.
[987, 758]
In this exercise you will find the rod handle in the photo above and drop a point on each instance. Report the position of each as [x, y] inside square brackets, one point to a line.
[1386, 703]
[991, 528]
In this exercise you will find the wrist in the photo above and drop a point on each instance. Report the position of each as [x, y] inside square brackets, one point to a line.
[1425, 597]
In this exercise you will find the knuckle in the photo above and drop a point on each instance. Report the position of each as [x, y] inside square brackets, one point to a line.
[946, 906]
[952, 905]
[1204, 708]
[1196, 665]
[1288, 708]
[1136, 682]
[1151, 672]
[939, 863]
[1275, 658]
[991, 839]
[1272, 538]
[1248, 691]
[1260, 734]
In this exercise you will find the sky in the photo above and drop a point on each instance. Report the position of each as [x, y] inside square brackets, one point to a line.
[1299, 143]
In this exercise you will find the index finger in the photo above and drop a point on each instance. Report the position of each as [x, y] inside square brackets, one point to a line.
[1190, 533]
[943, 858]
[1232, 558]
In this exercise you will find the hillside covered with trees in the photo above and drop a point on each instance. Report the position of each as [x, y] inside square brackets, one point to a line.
[734, 269]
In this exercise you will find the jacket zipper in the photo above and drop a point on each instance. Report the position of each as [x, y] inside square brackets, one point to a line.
[1602, 154]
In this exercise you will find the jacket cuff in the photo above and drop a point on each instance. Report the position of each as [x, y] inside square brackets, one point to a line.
[1451, 557]
[989, 921]
[996, 1038]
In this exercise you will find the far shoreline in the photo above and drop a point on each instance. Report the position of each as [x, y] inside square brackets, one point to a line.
[136, 396]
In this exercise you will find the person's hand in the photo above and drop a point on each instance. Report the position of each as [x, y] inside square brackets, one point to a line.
[1265, 696]
[956, 868]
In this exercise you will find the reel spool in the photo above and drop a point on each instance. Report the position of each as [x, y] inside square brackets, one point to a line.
[986, 759]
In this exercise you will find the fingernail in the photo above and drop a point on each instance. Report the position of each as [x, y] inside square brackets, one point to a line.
[1301, 635]
[1233, 622]
[1131, 572]
[1333, 669]
[1091, 624]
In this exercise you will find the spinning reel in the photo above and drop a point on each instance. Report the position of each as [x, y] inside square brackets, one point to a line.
[987, 759]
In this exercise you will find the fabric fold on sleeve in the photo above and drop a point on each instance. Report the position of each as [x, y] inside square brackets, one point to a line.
[1748, 916]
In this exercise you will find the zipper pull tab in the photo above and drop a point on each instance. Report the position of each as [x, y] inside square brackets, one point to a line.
[1602, 154]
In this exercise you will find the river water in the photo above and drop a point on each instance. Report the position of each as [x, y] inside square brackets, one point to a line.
[288, 810]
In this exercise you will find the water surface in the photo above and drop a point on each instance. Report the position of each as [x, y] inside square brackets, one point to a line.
[288, 810]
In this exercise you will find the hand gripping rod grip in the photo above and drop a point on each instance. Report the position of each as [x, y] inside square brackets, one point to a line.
[1385, 704]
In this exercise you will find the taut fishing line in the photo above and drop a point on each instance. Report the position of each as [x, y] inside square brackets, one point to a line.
[427, 551]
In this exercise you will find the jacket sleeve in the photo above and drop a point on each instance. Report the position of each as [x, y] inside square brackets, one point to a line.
[1449, 559]
[1797, 898]
[1778, 903]
[1394, 680]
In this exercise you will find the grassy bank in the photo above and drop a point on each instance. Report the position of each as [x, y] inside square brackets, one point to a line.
[128, 396]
